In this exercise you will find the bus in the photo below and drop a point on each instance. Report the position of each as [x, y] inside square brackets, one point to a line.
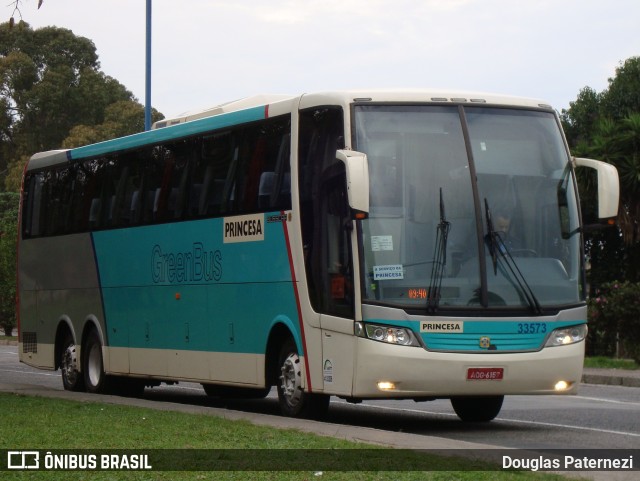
[360, 244]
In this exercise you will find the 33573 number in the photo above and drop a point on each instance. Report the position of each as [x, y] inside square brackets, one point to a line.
[532, 328]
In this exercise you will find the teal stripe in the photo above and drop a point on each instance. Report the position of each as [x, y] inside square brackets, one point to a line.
[166, 134]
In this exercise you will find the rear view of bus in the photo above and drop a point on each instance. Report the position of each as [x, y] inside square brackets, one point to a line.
[366, 245]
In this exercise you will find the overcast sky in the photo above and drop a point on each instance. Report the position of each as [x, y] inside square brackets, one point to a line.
[206, 52]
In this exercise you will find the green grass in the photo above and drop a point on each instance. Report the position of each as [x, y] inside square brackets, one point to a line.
[610, 363]
[41, 423]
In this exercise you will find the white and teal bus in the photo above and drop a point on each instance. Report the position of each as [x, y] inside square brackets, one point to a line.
[360, 244]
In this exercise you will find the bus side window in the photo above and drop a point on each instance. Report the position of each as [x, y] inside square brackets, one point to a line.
[164, 162]
[251, 173]
[228, 190]
[216, 152]
[119, 204]
[32, 206]
[51, 203]
[143, 188]
[187, 164]
[170, 200]
[281, 193]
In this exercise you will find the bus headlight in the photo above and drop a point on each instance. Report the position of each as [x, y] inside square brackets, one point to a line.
[388, 334]
[567, 335]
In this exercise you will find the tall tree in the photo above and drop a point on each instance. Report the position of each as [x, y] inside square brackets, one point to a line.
[8, 229]
[50, 82]
[120, 119]
[583, 113]
[606, 125]
[622, 97]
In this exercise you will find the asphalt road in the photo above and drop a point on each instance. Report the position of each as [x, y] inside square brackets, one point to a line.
[598, 417]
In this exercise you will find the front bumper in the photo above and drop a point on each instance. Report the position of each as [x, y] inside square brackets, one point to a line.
[416, 372]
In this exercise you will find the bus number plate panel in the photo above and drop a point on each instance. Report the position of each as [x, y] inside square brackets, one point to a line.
[485, 374]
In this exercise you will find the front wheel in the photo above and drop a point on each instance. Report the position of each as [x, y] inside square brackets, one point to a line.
[95, 378]
[477, 409]
[293, 400]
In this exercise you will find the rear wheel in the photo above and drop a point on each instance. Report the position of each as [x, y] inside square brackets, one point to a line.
[477, 409]
[293, 400]
[72, 379]
[95, 378]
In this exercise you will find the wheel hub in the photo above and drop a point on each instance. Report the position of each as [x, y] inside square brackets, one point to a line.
[70, 364]
[291, 380]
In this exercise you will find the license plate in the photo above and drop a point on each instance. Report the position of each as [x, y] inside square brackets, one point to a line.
[485, 373]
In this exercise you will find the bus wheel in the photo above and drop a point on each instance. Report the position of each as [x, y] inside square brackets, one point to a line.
[95, 378]
[71, 377]
[477, 409]
[293, 400]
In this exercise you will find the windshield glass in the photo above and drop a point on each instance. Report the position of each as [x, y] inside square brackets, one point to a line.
[429, 243]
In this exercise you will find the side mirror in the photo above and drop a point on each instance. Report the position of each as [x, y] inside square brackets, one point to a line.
[357, 169]
[608, 186]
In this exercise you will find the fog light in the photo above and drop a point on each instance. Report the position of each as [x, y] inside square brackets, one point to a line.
[386, 386]
[561, 386]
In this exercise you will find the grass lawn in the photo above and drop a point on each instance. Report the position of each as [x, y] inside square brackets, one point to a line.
[610, 363]
[42, 423]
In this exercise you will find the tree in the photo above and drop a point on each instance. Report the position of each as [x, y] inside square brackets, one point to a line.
[579, 120]
[8, 232]
[50, 82]
[622, 97]
[120, 119]
[606, 126]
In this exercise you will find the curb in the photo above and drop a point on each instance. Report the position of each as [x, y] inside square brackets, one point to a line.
[612, 378]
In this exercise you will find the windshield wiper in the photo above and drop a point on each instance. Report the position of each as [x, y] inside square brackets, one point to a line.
[498, 250]
[491, 237]
[439, 260]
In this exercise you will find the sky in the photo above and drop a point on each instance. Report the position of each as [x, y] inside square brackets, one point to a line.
[207, 52]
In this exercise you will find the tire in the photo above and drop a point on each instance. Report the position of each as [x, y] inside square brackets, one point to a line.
[477, 409]
[95, 379]
[72, 379]
[293, 400]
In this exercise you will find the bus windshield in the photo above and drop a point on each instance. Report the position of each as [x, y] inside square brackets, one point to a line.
[471, 207]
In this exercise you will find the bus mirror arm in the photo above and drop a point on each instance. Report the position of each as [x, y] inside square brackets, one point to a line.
[608, 186]
[357, 172]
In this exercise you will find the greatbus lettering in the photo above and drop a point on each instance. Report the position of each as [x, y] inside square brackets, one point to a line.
[196, 265]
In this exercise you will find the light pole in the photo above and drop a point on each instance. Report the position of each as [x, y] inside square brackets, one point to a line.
[147, 86]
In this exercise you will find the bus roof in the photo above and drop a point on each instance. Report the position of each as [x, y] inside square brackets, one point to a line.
[224, 108]
[260, 107]
[419, 96]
